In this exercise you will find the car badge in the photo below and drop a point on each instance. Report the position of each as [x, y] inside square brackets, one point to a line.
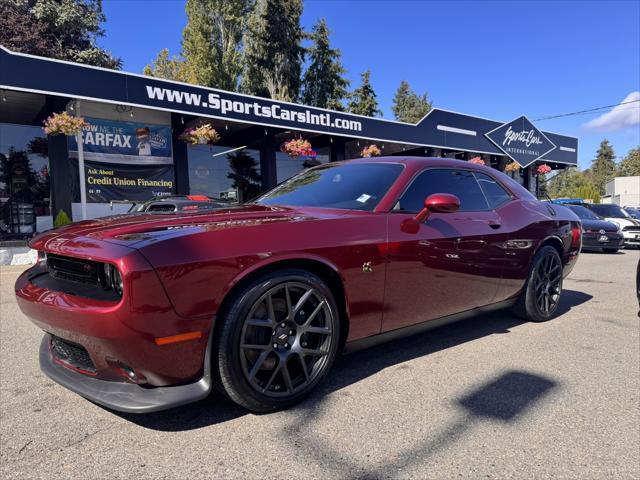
[602, 231]
[366, 267]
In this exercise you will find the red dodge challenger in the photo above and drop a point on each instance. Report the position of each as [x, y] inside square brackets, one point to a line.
[150, 311]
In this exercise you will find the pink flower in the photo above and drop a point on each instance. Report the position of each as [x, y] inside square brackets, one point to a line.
[543, 169]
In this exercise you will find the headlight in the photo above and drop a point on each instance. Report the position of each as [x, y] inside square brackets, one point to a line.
[42, 257]
[112, 278]
[617, 224]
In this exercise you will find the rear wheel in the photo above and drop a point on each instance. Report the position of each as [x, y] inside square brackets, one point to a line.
[277, 340]
[540, 296]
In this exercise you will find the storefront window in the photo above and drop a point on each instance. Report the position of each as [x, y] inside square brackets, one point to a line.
[287, 167]
[25, 193]
[224, 173]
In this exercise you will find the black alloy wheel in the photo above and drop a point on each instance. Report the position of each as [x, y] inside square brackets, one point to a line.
[548, 284]
[278, 340]
[286, 339]
[542, 291]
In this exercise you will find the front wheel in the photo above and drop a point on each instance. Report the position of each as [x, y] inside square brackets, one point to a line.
[277, 340]
[540, 296]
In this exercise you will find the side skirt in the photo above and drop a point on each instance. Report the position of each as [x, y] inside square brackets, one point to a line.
[367, 342]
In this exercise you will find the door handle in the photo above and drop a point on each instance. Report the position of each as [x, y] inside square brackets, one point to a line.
[495, 225]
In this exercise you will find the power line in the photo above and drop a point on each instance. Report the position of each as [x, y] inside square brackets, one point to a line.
[585, 111]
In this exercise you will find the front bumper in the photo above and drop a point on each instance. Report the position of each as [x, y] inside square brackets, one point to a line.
[591, 240]
[631, 237]
[124, 396]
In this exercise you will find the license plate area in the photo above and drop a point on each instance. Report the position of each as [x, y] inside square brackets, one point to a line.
[603, 238]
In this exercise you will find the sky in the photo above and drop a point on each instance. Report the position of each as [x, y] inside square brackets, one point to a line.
[493, 59]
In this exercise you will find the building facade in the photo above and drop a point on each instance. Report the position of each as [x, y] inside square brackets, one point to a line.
[623, 191]
[133, 147]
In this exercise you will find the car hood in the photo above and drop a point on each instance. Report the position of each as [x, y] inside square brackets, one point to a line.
[134, 230]
[599, 225]
[623, 222]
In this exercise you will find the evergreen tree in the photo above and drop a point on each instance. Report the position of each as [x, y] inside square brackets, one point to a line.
[363, 99]
[630, 165]
[163, 66]
[408, 106]
[273, 55]
[212, 42]
[323, 84]
[603, 167]
[63, 29]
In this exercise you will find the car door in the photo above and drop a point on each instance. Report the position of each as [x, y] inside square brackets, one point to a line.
[453, 262]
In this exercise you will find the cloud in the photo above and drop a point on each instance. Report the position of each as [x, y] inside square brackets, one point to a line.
[620, 117]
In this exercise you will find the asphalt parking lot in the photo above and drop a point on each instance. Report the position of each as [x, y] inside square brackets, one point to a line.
[488, 397]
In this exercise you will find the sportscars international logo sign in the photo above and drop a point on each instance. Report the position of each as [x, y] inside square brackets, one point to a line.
[521, 141]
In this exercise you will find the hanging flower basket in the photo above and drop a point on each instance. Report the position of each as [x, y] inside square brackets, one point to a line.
[371, 151]
[298, 147]
[512, 167]
[477, 161]
[203, 135]
[64, 124]
[543, 169]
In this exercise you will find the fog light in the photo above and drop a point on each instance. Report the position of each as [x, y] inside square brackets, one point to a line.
[127, 372]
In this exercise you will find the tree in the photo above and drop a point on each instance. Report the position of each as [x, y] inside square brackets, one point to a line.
[408, 106]
[273, 55]
[323, 84]
[63, 29]
[212, 41]
[565, 184]
[171, 68]
[362, 100]
[630, 165]
[603, 167]
[587, 192]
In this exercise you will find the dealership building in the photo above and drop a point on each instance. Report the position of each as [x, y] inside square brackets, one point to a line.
[132, 148]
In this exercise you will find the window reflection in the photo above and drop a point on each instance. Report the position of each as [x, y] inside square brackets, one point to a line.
[223, 173]
[24, 181]
[287, 167]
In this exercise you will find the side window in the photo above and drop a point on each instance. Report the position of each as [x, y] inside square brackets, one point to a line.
[495, 193]
[460, 183]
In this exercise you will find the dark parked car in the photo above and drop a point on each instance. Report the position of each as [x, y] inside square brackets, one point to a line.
[177, 203]
[145, 312]
[597, 234]
[615, 214]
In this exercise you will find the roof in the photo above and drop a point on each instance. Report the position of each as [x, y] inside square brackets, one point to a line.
[437, 129]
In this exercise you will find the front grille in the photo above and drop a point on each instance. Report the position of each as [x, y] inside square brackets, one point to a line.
[632, 228]
[72, 354]
[75, 270]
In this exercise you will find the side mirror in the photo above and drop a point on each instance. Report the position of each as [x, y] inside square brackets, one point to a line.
[438, 203]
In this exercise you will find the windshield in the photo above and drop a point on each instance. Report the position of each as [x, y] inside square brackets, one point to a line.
[583, 213]
[352, 186]
[634, 212]
[613, 211]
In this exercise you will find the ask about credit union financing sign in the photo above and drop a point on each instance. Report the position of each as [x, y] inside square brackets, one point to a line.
[521, 141]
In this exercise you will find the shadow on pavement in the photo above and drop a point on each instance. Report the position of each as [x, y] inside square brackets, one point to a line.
[507, 398]
[349, 369]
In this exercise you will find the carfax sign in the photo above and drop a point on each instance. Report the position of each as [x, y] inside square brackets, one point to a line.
[521, 141]
[119, 142]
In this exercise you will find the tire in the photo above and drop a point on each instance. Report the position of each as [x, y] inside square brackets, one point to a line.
[541, 294]
[272, 347]
[610, 250]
